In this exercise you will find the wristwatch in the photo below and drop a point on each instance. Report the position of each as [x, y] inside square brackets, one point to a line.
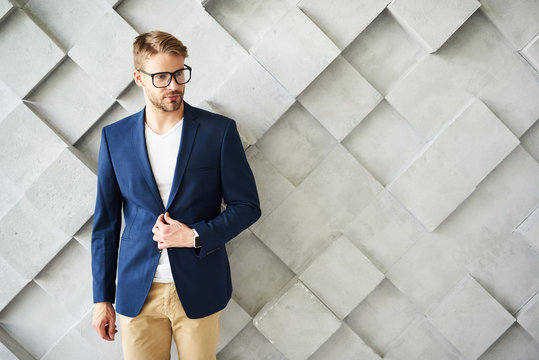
[196, 241]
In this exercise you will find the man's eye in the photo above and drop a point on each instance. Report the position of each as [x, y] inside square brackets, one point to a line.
[161, 76]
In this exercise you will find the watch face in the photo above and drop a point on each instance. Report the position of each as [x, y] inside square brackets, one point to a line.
[197, 242]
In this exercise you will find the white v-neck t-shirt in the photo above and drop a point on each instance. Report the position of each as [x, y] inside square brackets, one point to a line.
[163, 152]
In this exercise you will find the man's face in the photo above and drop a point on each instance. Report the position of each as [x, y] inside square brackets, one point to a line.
[165, 99]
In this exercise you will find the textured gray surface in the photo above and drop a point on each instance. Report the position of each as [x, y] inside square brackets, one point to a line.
[395, 146]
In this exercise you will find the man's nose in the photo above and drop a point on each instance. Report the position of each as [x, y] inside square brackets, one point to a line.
[173, 84]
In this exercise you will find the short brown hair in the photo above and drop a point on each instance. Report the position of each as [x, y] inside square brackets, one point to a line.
[154, 42]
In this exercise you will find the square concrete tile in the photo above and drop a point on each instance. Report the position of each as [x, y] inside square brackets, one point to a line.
[421, 341]
[383, 316]
[29, 146]
[475, 142]
[304, 51]
[430, 21]
[383, 52]
[340, 98]
[516, 20]
[296, 143]
[432, 187]
[66, 278]
[27, 54]
[247, 21]
[253, 98]
[232, 320]
[470, 318]
[299, 228]
[132, 98]
[475, 53]
[105, 52]
[428, 271]
[343, 20]
[257, 273]
[343, 183]
[296, 311]
[250, 344]
[342, 276]
[516, 108]
[68, 25]
[514, 344]
[70, 101]
[65, 193]
[384, 142]
[384, 230]
[43, 324]
[90, 141]
[429, 96]
[29, 242]
[345, 344]
[72, 345]
[272, 186]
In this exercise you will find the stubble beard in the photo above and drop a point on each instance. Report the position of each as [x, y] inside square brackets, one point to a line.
[165, 105]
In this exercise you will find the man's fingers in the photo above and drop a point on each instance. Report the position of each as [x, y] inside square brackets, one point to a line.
[101, 328]
[111, 330]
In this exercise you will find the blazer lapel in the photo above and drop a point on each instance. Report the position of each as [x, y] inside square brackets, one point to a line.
[189, 130]
[139, 142]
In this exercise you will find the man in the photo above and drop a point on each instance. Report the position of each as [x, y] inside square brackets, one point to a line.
[169, 167]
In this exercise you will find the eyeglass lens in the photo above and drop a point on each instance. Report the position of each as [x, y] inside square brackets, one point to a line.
[163, 79]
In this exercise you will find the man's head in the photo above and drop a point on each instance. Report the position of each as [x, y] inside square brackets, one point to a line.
[160, 69]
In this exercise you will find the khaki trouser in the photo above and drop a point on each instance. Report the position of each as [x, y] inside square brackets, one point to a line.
[148, 336]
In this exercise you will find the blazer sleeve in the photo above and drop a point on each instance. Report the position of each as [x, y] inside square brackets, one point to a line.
[106, 227]
[239, 194]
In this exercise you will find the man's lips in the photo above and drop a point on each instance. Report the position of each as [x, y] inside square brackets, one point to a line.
[173, 97]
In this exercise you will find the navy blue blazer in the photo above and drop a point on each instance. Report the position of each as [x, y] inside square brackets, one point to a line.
[211, 168]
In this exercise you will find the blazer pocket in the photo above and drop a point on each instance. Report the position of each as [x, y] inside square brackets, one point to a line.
[213, 250]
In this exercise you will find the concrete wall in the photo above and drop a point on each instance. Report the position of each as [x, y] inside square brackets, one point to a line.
[395, 145]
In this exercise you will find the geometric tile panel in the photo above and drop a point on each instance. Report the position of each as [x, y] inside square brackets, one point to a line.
[528, 317]
[422, 341]
[504, 15]
[304, 51]
[470, 318]
[514, 344]
[383, 52]
[394, 145]
[57, 102]
[340, 106]
[430, 21]
[343, 20]
[383, 316]
[104, 57]
[341, 277]
[66, 26]
[452, 165]
[296, 311]
[27, 54]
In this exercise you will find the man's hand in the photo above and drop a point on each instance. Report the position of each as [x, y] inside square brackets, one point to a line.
[104, 320]
[168, 233]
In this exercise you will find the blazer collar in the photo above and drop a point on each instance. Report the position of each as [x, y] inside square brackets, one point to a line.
[189, 130]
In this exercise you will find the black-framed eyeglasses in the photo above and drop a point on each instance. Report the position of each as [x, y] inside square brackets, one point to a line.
[163, 79]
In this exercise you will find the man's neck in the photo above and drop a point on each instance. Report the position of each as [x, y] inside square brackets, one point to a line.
[161, 121]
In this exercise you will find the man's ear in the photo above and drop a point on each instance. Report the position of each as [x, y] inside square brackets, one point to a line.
[138, 78]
